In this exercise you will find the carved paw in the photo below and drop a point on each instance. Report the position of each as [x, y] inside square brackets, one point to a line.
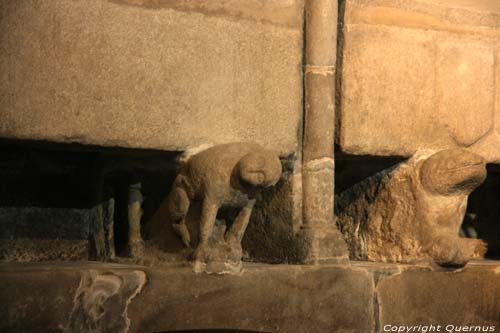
[202, 253]
[457, 251]
[477, 247]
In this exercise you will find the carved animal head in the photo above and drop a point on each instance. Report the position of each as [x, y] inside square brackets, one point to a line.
[452, 172]
[260, 169]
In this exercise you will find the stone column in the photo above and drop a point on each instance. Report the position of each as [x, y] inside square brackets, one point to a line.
[324, 242]
[135, 242]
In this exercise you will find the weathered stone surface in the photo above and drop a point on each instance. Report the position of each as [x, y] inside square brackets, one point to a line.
[36, 249]
[414, 210]
[270, 236]
[386, 89]
[361, 297]
[41, 234]
[465, 89]
[419, 74]
[32, 222]
[145, 73]
[36, 299]
[466, 297]
[101, 300]
[81, 297]
[264, 299]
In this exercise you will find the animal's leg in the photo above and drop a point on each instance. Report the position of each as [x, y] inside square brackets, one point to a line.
[240, 223]
[208, 215]
[178, 207]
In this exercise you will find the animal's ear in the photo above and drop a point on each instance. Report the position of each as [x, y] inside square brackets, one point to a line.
[251, 169]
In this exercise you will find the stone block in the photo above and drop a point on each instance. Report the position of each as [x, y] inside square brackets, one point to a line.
[36, 299]
[468, 297]
[151, 74]
[360, 297]
[419, 74]
[465, 90]
[264, 299]
[81, 297]
[387, 89]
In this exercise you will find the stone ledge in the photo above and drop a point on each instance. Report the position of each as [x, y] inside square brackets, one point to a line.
[356, 297]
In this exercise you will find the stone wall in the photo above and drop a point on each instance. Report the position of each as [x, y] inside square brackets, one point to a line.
[161, 74]
[420, 74]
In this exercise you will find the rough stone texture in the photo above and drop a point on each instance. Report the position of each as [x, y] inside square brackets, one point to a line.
[424, 298]
[420, 74]
[36, 249]
[32, 222]
[152, 74]
[414, 210]
[40, 234]
[270, 237]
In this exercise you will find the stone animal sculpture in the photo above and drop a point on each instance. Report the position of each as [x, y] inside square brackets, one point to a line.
[224, 175]
[413, 212]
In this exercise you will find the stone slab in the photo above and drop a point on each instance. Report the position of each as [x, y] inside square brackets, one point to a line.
[264, 299]
[358, 297]
[280, 298]
[467, 297]
[37, 300]
[63, 297]
[152, 74]
[419, 74]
